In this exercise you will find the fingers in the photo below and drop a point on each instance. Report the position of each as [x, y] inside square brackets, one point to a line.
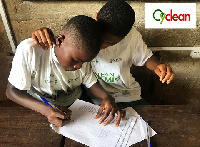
[59, 116]
[48, 37]
[169, 75]
[99, 112]
[157, 71]
[56, 122]
[119, 118]
[51, 39]
[59, 122]
[43, 37]
[109, 108]
[56, 118]
[109, 115]
[67, 113]
[162, 69]
[171, 78]
[35, 39]
[123, 114]
[106, 114]
[110, 118]
[165, 72]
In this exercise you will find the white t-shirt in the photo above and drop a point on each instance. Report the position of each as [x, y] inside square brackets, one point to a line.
[38, 71]
[112, 66]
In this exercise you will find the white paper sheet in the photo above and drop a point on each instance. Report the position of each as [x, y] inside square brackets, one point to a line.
[86, 130]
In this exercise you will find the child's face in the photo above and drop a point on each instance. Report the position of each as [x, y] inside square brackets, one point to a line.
[71, 58]
[109, 40]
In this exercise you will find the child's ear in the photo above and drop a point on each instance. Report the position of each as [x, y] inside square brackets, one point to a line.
[96, 16]
[60, 39]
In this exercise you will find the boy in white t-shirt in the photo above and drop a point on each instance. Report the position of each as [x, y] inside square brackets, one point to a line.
[121, 46]
[57, 74]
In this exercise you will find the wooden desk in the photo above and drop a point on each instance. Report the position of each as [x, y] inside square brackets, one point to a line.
[21, 127]
[177, 126]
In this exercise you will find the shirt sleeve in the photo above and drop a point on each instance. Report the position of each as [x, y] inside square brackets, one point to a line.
[89, 78]
[140, 53]
[20, 74]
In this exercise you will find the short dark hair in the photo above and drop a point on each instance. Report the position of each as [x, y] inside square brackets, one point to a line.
[116, 17]
[85, 33]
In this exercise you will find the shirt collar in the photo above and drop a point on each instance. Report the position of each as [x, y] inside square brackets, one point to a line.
[53, 54]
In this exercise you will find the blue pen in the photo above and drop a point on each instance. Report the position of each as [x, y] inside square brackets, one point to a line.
[44, 100]
[48, 103]
[148, 135]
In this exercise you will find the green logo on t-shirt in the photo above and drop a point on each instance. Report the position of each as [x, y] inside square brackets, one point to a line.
[115, 60]
[51, 81]
[72, 80]
[107, 77]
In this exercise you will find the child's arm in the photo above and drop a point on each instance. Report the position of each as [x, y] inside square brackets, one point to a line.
[23, 98]
[162, 70]
[44, 37]
[108, 104]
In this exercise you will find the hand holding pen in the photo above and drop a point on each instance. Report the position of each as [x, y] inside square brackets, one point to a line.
[55, 115]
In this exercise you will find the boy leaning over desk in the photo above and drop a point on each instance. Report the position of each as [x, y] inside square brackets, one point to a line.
[121, 47]
[55, 75]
